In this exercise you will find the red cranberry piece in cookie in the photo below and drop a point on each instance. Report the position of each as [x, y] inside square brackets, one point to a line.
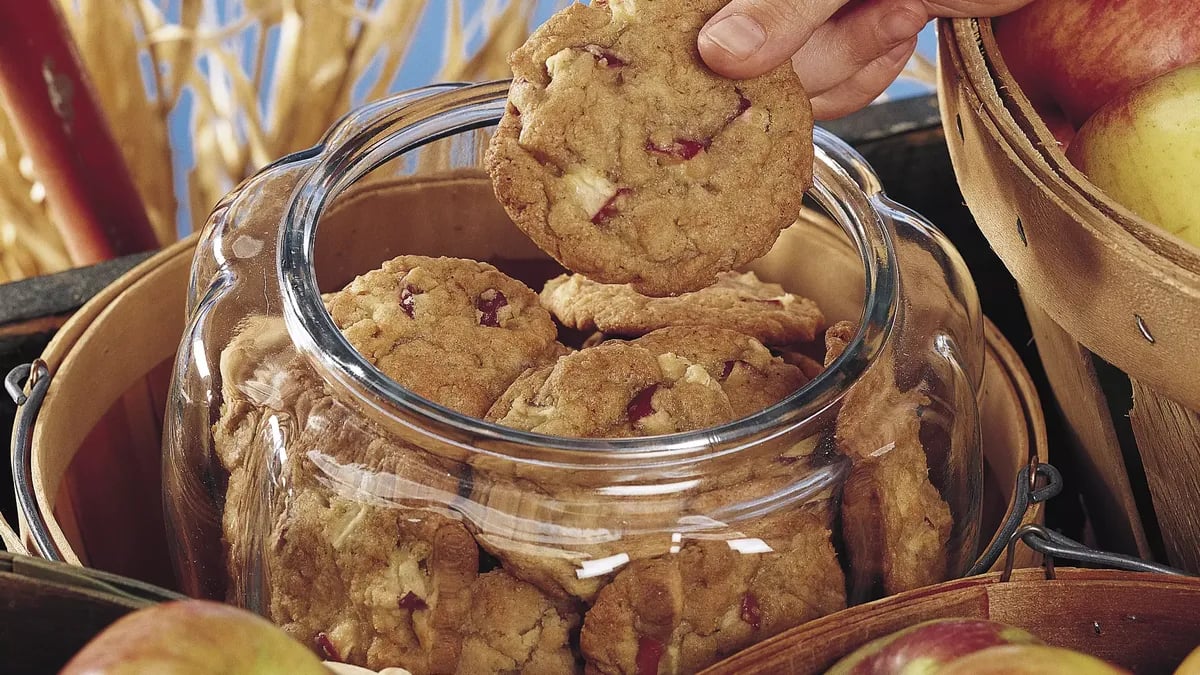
[604, 56]
[682, 149]
[751, 613]
[326, 648]
[489, 303]
[408, 301]
[641, 406]
[728, 369]
[649, 654]
[611, 207]
[412, 602]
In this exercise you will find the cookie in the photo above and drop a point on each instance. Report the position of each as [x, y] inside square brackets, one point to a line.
[671, 380]
[512, 627]
[739, 302]
[748, 373]
[682, 612]
[895, 525]
[372, 586]
[454, 331]
[614, 390]
[626, 159]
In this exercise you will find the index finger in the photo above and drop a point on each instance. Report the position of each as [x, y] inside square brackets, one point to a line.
[750, 37]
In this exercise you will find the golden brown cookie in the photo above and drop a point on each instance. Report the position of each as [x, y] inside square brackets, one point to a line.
[895, 525]
[512, 627]
[343, 524]
[671, 380]
[625, 158]
[736, 301]
[684, 611]
[454, 331]
[613, 390]
[748, 373]
[370, 585]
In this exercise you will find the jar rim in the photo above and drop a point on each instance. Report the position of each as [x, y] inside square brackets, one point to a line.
[844, 185]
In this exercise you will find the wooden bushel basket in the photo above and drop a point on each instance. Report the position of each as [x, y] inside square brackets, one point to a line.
[1097, 281]
[1145, 623]
[96, 448]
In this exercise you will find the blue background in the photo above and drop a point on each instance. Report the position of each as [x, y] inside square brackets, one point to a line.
[421, 67]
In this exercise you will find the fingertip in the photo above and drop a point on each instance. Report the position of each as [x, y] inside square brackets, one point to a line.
[730, 45]
[863, 88]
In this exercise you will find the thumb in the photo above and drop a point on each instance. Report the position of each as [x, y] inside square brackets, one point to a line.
[749, 37]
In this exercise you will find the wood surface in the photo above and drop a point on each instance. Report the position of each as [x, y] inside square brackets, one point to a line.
[1095, 452]
[1143, 622]
[1107, 277]
[1168, 435]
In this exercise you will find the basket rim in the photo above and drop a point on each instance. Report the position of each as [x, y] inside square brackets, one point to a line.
[1072, 258]
[1029, 579]
[1022, 128]
[997, 347]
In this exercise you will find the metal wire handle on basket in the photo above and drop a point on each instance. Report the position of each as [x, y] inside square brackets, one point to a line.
[37, 377]
[1026, 494]
[1054, 545]
[1045, 541]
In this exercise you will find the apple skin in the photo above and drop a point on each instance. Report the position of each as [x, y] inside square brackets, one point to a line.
[1073, 56]
[193, 637]
[1143, 150]
[926, 647]
[1029, 660]
[1190, 665]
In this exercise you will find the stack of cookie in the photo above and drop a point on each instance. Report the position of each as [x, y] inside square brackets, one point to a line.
[382, 554]
[652, 179]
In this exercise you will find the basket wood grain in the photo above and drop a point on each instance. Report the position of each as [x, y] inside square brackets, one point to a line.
[1096, 280]
[1143, 622]
[72, 464]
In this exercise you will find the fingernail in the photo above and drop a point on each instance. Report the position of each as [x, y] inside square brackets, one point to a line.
[899, 25]
[737, 34]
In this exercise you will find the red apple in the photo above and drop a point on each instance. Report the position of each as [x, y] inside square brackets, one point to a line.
[1030, 660]
[926, 647]
[193, 637]
[1073, 56]
[1143, 150]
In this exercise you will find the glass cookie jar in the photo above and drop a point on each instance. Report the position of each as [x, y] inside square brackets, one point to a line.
[383, 528]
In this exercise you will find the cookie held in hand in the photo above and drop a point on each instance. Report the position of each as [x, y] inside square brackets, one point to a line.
[625, 158]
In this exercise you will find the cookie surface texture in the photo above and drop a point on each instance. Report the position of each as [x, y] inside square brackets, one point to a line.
[625, 158]
[454, 331]
[895, 525]
[740, 302]
[683, 612]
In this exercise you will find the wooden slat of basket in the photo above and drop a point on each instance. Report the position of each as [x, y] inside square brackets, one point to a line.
[1168, 435]
[1104, 481]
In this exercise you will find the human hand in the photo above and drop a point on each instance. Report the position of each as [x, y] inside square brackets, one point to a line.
[847, 52]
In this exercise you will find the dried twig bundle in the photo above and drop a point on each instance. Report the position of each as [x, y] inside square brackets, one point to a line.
[257, 79]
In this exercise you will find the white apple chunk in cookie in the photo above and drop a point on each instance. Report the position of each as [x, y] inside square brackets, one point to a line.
[626, 159]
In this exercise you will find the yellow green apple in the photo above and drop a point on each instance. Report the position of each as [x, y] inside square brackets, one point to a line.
[1143, 150]
[193, 637]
